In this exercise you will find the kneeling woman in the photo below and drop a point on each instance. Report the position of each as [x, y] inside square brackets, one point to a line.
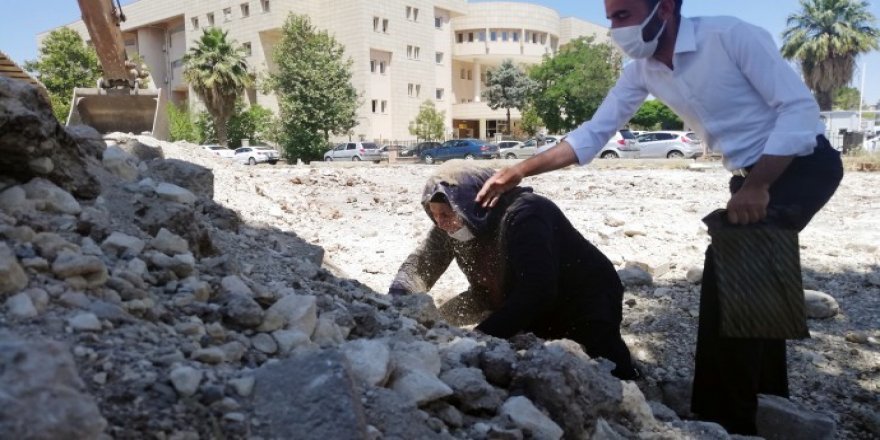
[528, 268]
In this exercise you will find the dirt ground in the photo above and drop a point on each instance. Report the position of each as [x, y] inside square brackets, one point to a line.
[368, 219]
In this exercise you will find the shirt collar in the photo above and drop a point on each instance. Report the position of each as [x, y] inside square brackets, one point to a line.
[686, 41]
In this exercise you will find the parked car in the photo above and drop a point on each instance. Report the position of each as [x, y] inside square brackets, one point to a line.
[670, 144]
[416, 150]
[545, 144]
[460, 149]
[503, 145]
[219, 150]
[354, 151]
[622, 145]
[518, 150]
[256, 154]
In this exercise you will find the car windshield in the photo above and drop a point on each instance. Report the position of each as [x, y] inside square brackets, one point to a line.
[264, 148]
[627, 134]
[370, 146]
[530, 143]
[693, 136]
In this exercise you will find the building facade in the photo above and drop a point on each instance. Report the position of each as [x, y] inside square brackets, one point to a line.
[404, 51]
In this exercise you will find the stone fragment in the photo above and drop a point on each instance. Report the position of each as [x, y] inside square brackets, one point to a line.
[289, 340]
[779, 418]
[369, 359]
[85, 322]
[295, 312]
[264, 343]
[419, 387]
[90, 268]
[243, 386]
[417, 356]
[820, 305]
[526, 416]
[320, 402]
[123, 245]
[41, 165]
[55, 198]
[169, 243]
[120, 163]
[210, 355]
[12, 276]
[186, 380]
[635, 277]
[175, 193]
[694, 275]
[327, 332]
[472, 390]
[20, 306]
[243, 310]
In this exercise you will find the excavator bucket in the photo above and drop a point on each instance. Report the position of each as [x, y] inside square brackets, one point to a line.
[117, 110]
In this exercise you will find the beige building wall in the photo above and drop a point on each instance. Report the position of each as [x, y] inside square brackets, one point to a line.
[403, 36]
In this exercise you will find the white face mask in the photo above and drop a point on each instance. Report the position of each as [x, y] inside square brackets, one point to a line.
[629, 39]
[464, 234]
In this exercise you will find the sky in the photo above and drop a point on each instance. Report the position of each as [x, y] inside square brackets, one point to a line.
[23, 20]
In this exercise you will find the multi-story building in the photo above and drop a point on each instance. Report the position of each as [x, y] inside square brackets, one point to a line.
[404, 51]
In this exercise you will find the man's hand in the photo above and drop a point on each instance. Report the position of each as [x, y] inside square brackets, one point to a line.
[748, 205]
[503, 180]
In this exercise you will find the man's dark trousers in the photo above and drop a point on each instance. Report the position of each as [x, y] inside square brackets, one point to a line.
[729, 373]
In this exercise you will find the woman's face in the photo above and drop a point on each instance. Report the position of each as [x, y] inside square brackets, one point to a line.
[445, 217]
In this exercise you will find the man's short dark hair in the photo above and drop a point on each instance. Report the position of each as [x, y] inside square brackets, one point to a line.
[653, 3]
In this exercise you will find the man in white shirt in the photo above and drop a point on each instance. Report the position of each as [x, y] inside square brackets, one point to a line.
[727, 80]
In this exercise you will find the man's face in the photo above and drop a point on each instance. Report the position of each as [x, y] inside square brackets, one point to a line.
[445, 217]
[623, 13]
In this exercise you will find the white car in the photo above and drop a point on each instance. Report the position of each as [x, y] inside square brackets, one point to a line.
[256, 154]
[670, 144]
[219, 150]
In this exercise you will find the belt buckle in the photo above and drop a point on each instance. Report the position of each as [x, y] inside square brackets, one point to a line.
[742, 172]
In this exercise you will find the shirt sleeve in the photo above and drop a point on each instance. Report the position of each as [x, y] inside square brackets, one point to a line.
[532, 259]
[425, 265]
[797, 121]
[616, 110]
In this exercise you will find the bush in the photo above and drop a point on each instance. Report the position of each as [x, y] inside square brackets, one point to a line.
[254, 123]
[182, 127]
[304, 145]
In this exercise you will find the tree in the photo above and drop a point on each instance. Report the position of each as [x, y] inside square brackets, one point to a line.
[825, 37]
[314, 89]
[572, 84]
[253, 123]
[429, 124]
[531, 123]
[654, 115]
[65, 62]
[217, 71]
[847, 98]
[181, 124]
[507, 87]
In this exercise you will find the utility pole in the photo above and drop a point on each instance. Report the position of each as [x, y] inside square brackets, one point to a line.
[861, 108]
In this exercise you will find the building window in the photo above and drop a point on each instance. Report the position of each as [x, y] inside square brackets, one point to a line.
[245, 10]
[439, 94]
[385, 26]
[409, 52]
[543, 38]
[195, 22]
[265, 5]
[493, 36]
[438, 22]
[410, 90]
[534, 38]
[463, 74]
[409, 12]
[375, 105]
[247, 49]
[227, 14]
[372, 66]
[470, 37]
[417, 53]
[460, 37]
[515, 36]
[470, 74]
[439, 57]
[384, 106]
[481, 36]
[418, 90]
[382, 67]
[211, 19]
[504, 36]
[375, 24]
[415, 14]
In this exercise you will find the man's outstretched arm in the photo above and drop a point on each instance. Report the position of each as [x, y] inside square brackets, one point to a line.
[560, 156]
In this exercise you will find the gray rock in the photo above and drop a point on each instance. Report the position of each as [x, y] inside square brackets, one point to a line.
[174, 193]
[419, 387]
[472, 390]
[498, 363]
[419, 307]
[529, 418]
[233, 351]
[119, 244]
[12, 276]
[43, 396]
[264, 343]
[416, 356]
[120, 163]
[90, 268]
[31, 131]
[243, 310]
[41, 165]
[50, 244]
[169, 243]
[56, 199]
[195, 178]
[290, 340]
[779, 418]
[677, 396]
[369, 359]
[145, 148]
[294, 312]
[327, 332]
[635, 277]
[76, 300]
[694, 275]
[820, 305]
[705, 430]
[20, 306]
[243, 386]
[186, 380]
[85, 322]
[635, 406]
[14, 199]
[614, 220]
[39, 298]
[210, 355]
[604, 431]
[394, 417]
[321, 401]
[662, 412]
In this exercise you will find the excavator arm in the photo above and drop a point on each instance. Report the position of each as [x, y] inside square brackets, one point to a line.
[117, 104]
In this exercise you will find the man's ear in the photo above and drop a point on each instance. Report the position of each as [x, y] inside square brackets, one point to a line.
[667, 10]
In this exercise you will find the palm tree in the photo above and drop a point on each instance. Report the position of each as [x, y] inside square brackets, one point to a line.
[217, 71]
[825, 37]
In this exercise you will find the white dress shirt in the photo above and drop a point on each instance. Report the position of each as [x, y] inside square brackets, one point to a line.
[729, 84]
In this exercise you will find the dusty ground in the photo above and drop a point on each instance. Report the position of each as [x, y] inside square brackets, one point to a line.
[368, 219]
